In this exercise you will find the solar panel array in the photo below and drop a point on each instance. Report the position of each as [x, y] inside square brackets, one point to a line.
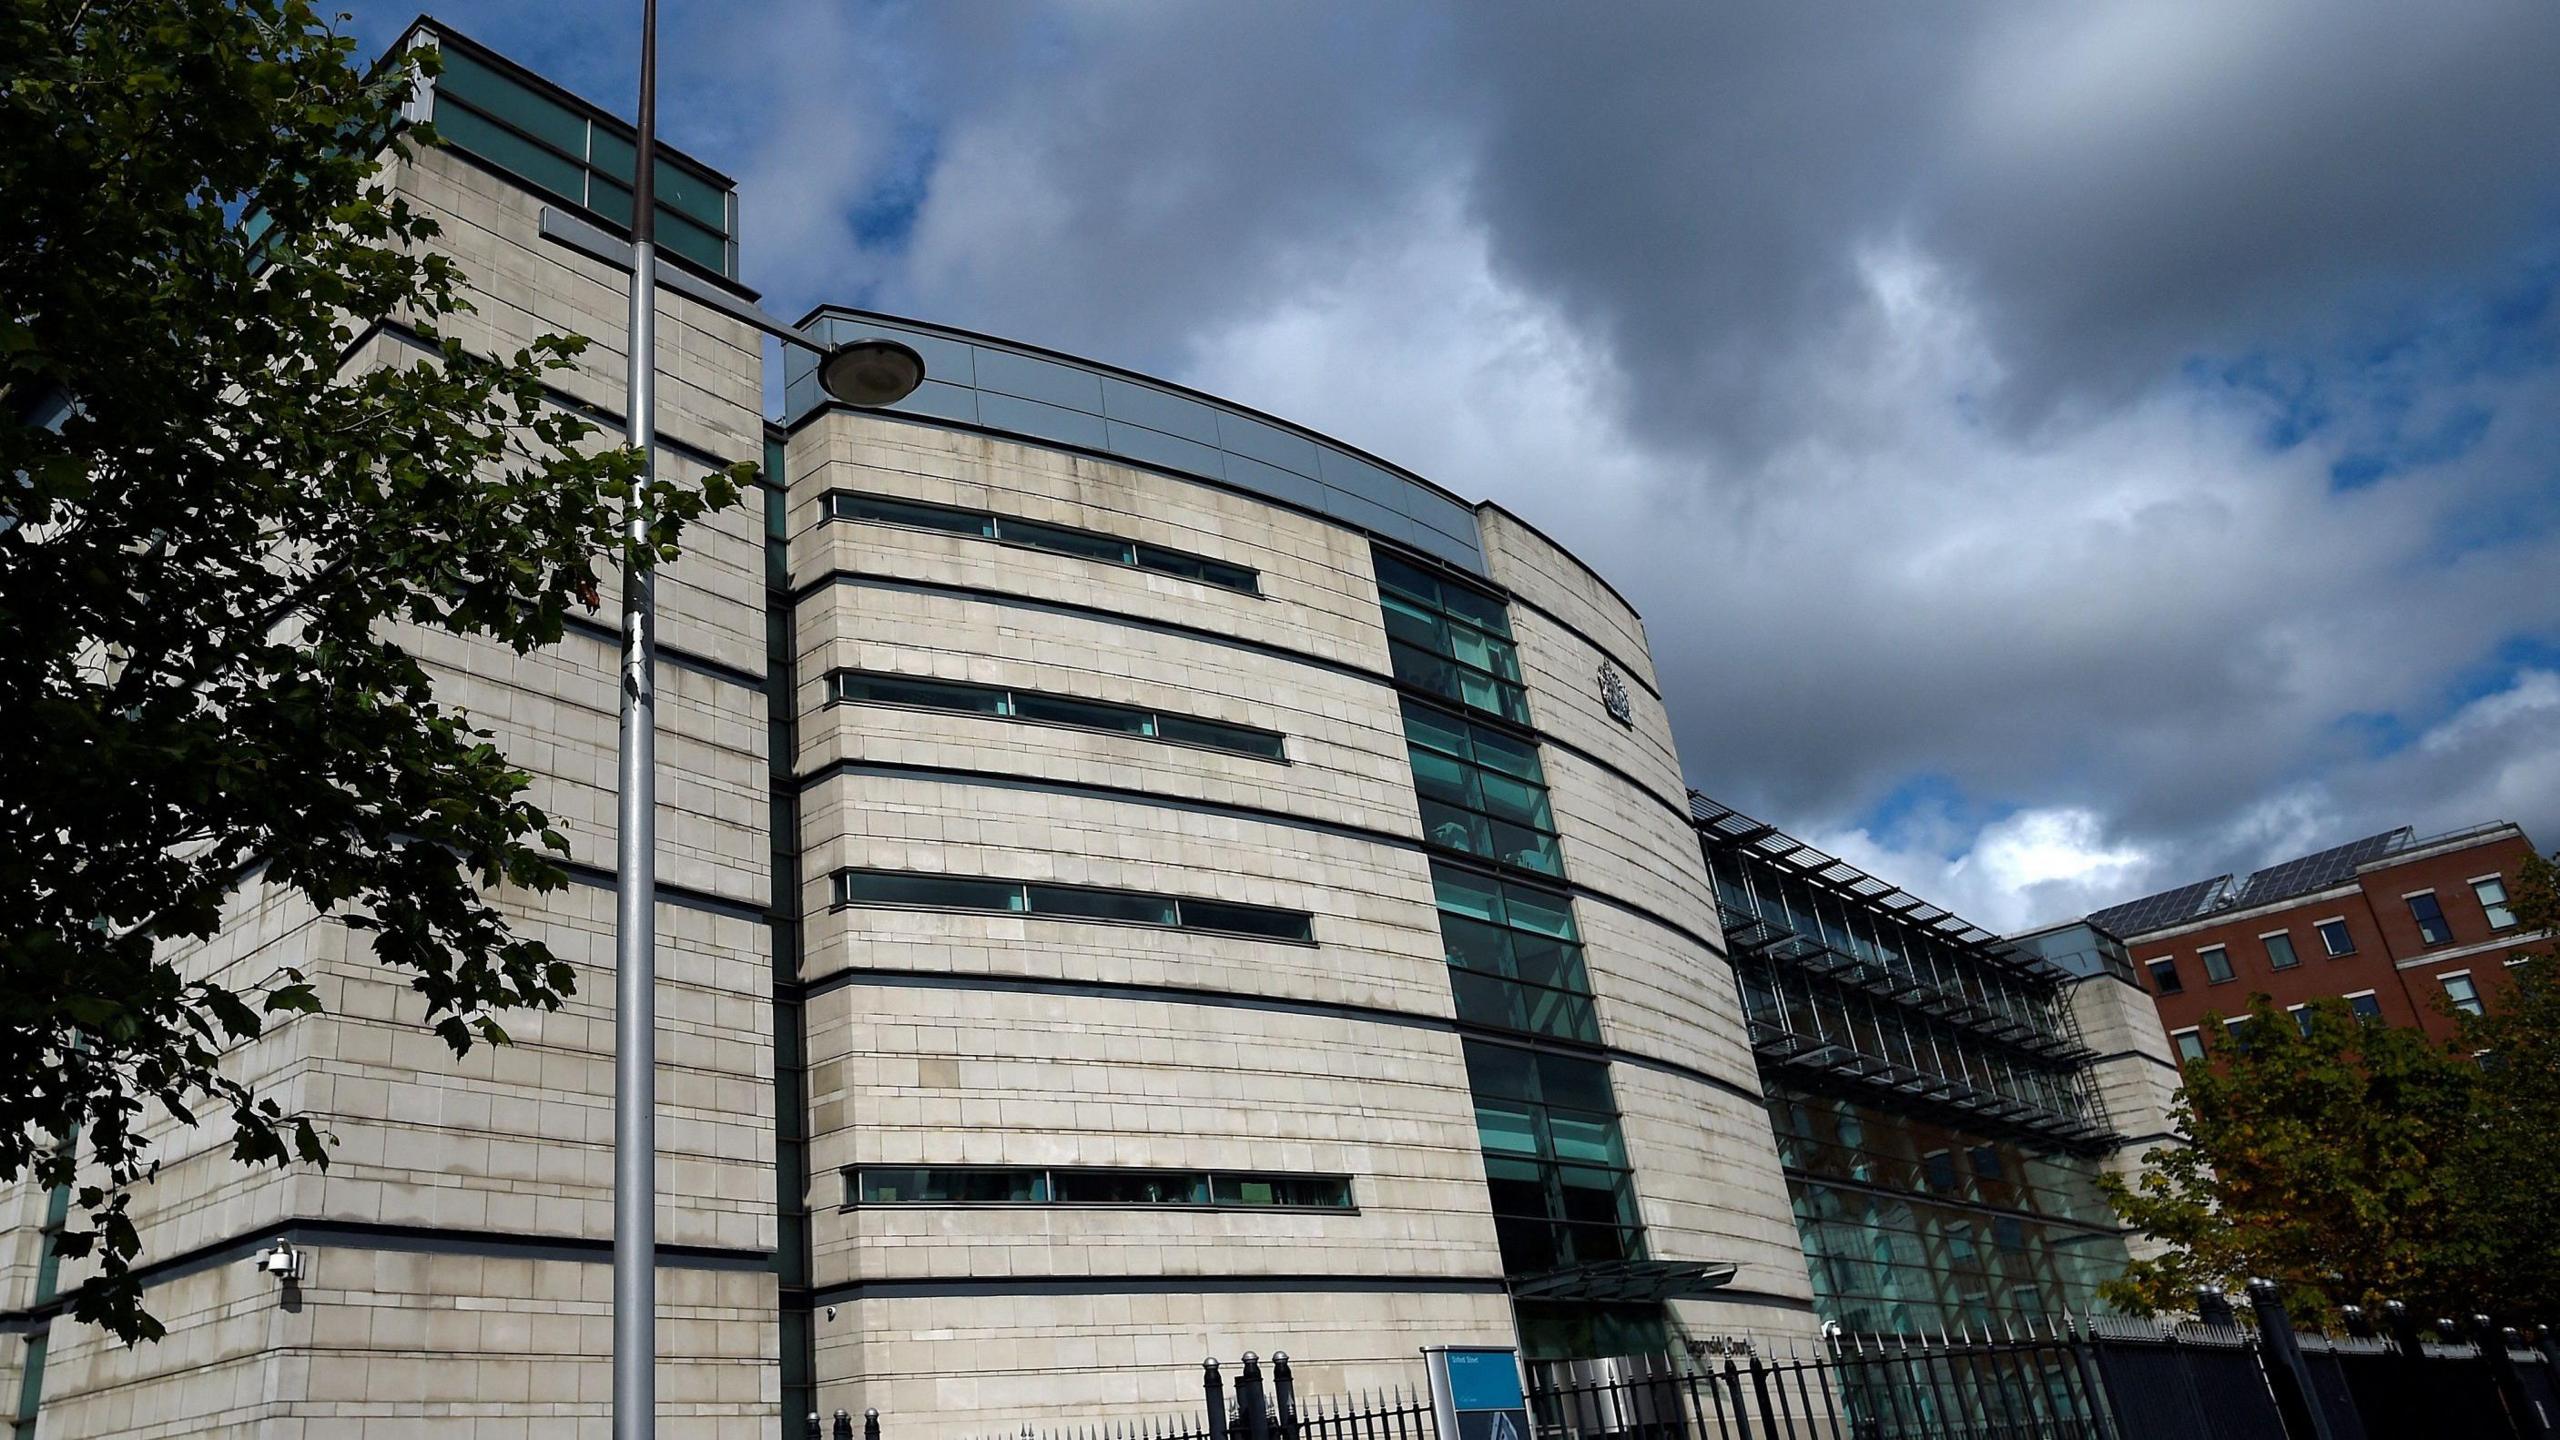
[2155, 912]
[2298, 876]
[2318, 872]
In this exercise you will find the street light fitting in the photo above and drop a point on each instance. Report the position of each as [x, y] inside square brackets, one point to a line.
[871, 373]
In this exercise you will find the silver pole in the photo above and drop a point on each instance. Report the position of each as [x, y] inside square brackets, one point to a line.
[635, 936]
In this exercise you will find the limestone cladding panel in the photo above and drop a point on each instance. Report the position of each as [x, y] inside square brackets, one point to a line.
[1377, 934]
[1561, 665]
[1319, 593]
[387, 1344]
[513, 1138]
[710, 599]
[22, 1205]
[1621, 842]
[1344, 741]
[943, 1367]
[1707, 1179]
[709, 394]
[710, 367]
[2137, 1081]
[1537, 570]
[1661, 994]
[555, 712]
[934, 1076]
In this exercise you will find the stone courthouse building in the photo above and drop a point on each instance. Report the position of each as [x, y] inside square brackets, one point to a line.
[1140, 879]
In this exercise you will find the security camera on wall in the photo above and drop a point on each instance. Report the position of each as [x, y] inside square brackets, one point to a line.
[280, 1260]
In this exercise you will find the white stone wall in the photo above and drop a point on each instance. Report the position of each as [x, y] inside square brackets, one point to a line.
[2137, 1077]
[480, 1157]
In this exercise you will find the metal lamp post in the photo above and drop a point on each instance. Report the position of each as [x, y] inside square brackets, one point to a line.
[865, 373]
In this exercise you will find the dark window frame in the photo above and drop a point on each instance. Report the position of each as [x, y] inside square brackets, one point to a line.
[2168, 983]
[1021, 891]
[1050, 1190]
[2434, 928]
[1009, 698]
[2346, 932]
[1145, 556]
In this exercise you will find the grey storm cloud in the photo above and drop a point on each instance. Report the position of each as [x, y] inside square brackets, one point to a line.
[1876, 352]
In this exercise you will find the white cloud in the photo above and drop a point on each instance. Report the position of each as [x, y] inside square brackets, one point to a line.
[2025, 869]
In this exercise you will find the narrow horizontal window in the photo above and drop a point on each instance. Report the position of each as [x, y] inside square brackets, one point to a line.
[1039, 535]
[1072, 902]
[940, 892]
[1038, 1185]
[1256, 920]
[859, 687]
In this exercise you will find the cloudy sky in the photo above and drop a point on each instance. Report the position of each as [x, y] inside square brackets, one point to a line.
[2059, 452]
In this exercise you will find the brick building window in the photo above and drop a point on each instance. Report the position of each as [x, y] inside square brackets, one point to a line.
[2334, 937]
[2430, 917]
[2367, 1005]
[2190, 1043]
[2164, 975]
[2217, 963]
[2301, 1017]
[2280, 954]
[2492, 890]
[2464, 995]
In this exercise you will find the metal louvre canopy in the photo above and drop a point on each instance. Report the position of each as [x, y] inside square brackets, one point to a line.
[1623, 1281]
[1727, 826]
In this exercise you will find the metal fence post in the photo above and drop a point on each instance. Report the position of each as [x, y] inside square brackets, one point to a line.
[1286, 1385]
[844, 1426]
[1216, 1391]
[870, 1425]
[2213, 1307]
[1733, 1387]
[1252, 1410]
[2287, 1374]
[2502, 1368]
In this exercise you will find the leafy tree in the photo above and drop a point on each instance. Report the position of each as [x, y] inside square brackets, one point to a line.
[2315, 1161]
[2511, 1166]
[212, 540]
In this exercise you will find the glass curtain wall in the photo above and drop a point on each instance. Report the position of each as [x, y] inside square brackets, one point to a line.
[1556, 1167]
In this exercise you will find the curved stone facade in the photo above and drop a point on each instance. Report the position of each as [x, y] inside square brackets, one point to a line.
[953, 1038]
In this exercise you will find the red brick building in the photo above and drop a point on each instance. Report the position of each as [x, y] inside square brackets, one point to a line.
[2393, 923]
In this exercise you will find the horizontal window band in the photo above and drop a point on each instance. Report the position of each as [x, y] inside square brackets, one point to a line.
[1028, 1285]
[1090, 1187]
[681, 659]
[1037, 707]
[1045, 900]
[1024, 533]
[849, 977]
[402, 1239]
[860, 579]
[956, 776]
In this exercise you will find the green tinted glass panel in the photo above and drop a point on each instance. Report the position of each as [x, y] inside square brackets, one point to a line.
[1063, 540]
[1123, 905]
[1467, 893]
[911, 512]
[1396, 575]
[1506, 1129]
[1088, 714]
[1130, 1187]
[1438, 730]
[680, 236]
[1535, 910]
[1497, 751]
[935, 694]
[563, 179]
[874, 887]
[1247, 920]
[915, 1186]
[467, 79]
[1582, 1084]
[1218, 736]
[1477, 609]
